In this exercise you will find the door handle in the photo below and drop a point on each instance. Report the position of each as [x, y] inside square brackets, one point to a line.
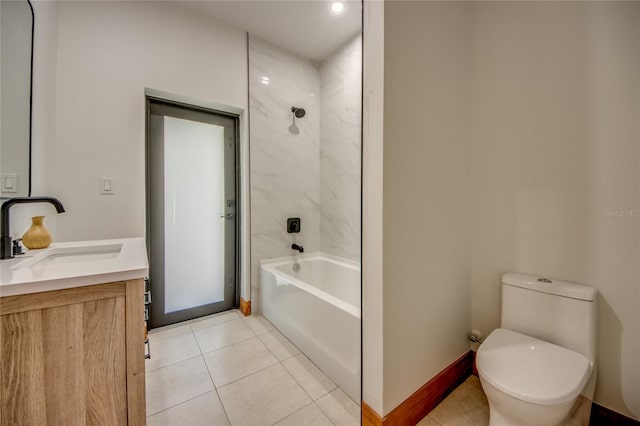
[226, 216]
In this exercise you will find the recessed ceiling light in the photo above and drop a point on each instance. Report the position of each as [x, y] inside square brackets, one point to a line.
[265, 80]
[337, 7]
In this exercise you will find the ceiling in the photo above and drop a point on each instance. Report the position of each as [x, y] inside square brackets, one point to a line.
[306, 27]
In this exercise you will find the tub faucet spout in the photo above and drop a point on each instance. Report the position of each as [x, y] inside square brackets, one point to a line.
[297, 247]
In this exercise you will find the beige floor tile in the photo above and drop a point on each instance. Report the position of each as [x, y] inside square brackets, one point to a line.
[312, 380]
[214, 320]
[167, 350]
[474, 381]
[311, 415]
[170, 330]
[205, 410]
[177, 383]
[279, 345]
[263, 398]
[465, 406]
[237, 361]
[196, 323]
[340, 409]
[221, 335]
[427, 421]
[259, 324]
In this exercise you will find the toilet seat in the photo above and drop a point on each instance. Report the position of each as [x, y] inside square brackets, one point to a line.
[530, 369]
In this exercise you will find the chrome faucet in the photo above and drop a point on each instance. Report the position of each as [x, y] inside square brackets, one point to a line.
[5, 243]
[297, 247]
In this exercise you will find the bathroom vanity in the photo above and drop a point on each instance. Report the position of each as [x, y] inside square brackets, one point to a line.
[72, 335]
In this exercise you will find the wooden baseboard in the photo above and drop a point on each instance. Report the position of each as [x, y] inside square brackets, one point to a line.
[474, 368]
[369, 416]
[245, 307]
[602, 416]
[424, 399]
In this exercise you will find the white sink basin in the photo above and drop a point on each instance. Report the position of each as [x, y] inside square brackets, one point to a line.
[74, 264]
[71, 255]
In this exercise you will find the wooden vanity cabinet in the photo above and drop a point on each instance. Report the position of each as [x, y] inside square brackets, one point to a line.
[74, 356]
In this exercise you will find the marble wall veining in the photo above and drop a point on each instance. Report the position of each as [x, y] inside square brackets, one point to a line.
[340, 148]
[285, 164]
[310, 167]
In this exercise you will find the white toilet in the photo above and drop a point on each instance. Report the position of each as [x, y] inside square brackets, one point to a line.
[534, 368]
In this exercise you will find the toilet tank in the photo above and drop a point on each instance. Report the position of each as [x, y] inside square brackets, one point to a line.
[559, 312]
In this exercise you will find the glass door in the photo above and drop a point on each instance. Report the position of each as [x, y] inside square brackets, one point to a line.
[191, 211]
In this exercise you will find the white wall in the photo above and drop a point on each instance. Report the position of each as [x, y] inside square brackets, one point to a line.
[372, 204]
[555, 146]
[341, 150]
[510, 128]
[285, 165]
[427, 79]
[107, 54]
[100, 57]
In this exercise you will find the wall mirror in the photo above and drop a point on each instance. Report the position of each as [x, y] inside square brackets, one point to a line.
[16, 41]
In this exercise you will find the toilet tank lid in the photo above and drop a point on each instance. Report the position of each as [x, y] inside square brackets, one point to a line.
[544, 285]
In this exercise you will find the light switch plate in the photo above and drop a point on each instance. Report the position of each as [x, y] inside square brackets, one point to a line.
[106, 186]
[9, 182]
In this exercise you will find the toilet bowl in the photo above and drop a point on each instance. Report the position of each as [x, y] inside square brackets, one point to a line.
[535, 367]
[529, 381]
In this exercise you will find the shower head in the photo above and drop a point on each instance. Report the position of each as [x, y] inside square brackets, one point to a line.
[298, 112]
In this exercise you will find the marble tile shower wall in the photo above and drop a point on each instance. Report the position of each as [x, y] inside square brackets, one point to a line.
[309, 168]
[340, 150]
[285, 162]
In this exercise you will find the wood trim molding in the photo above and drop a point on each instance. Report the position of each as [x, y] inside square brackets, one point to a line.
[602, 416]
[474, 368]
[245, 307]
[425, 399]
[369, 416]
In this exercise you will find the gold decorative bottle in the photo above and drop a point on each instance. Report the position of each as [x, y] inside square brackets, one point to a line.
[36, 237]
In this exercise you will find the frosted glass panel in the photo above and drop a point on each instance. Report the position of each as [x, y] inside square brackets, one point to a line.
[193, 203]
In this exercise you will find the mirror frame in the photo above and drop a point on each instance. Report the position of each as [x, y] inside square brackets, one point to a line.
[30, 131]
[33, 26]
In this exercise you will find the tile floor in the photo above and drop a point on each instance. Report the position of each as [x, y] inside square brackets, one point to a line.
[465, 406]
[227, 369]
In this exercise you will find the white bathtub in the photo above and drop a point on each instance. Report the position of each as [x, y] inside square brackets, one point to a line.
[318, 309]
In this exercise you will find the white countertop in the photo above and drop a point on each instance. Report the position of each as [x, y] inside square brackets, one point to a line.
[130, 263]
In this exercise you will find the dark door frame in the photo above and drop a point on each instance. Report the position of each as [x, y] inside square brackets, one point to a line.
[155, 257]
